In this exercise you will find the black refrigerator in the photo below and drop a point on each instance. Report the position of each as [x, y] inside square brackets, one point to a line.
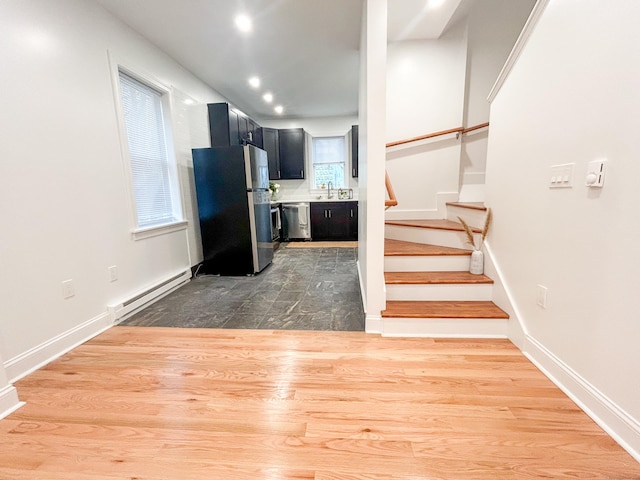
[234, 209]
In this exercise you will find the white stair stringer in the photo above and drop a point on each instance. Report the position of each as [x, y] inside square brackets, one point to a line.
[433, 236]
[473, 217]
[448, 292]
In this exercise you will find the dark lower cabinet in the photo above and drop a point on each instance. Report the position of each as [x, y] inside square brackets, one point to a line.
[352, 207]
[334, 220]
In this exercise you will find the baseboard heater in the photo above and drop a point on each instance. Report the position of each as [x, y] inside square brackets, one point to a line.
[126, 308]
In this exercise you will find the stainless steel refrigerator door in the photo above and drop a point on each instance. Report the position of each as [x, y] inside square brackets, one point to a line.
[260, 220]
[256, 168]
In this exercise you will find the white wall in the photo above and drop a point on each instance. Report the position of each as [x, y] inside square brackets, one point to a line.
[63, 191]
[425, 94]
[493, 27]
[572, 97]
[371, 155]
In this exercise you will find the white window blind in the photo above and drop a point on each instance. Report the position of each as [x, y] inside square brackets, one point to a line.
[150, 169]
[329, 155]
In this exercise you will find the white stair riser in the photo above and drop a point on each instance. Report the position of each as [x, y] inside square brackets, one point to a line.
[445, 327]
[449, 292]
[474, 218]
[433, 236]
[427, 263]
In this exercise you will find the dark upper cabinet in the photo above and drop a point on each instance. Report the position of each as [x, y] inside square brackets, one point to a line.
[291, 143]
[243, 128]
[270, 145]
[223, 125]
[227, 128]
[334, 220]
[254, 133]
[354, 151]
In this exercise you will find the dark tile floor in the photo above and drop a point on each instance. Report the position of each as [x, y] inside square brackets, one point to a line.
[303, 289]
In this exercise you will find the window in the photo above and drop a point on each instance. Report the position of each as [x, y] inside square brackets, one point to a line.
[153, 172]
[328, 160]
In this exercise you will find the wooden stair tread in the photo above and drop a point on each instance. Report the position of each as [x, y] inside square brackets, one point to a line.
[470, 205]
[442, 309]
[431, 278]
[435, 224]
[402, 248]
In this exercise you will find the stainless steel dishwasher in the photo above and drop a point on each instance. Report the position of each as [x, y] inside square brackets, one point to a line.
[296, 222]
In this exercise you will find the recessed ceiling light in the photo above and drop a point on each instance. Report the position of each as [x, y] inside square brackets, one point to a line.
[268, 97]
[244, 23]
[254, 82]
[189, 101]
[435, 3]
[279, 109]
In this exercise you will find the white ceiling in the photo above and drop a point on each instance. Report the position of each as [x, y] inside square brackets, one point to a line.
[306, 52]
[419, 19]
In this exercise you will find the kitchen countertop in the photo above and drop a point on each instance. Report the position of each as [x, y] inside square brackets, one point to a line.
[311, 199]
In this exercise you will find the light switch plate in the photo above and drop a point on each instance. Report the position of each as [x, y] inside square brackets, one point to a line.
[561, 176]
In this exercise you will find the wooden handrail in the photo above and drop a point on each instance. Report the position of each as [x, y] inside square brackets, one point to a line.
[392, 202]
[438, 134]
[475, 127]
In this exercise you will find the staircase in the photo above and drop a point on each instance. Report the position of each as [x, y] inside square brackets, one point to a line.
[429, 290]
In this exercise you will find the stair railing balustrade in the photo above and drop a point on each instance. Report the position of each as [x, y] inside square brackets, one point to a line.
[393, 201]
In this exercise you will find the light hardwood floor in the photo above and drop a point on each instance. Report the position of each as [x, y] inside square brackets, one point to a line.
[167, 403]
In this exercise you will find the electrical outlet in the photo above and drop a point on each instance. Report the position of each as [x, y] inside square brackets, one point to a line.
[68, 290]
[541, 296]
[113, 273]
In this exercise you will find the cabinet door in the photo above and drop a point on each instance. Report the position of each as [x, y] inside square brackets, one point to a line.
[319, 221]
[234, 133]
[354, 151]
[330, 220]
[352, 210]
[270, 145]
[243, 129]
[291, 145]
[223, 125]
[254, 133]
[339, 221]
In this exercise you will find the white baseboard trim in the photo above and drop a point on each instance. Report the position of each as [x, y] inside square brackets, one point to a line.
[621, 426]
[373, 324]
[9, 401]
[37, 357]
[363, 293]
[503, 297]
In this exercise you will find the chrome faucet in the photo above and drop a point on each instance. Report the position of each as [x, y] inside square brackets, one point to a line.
[330, 190]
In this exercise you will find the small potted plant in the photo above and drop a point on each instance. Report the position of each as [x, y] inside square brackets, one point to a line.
[476, 266]
[274, 188]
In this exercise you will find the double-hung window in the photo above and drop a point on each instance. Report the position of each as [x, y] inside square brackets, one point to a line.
[153, 170]
[329, 156]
